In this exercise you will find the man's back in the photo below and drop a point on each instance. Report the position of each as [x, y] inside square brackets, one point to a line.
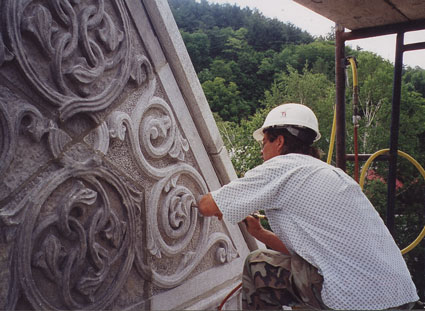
[320, 213]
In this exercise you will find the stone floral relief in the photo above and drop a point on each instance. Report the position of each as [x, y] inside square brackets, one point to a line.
[74, 231]
[172, 218]
[68, 239]
[17, 117]
[153, 133]
[64, 236]
[75, 245]
[5, 54]
[78, 57]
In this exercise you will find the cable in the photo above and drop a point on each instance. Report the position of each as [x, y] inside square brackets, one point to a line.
[229, 295]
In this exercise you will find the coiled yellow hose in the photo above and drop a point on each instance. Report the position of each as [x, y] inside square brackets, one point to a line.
[420, 169]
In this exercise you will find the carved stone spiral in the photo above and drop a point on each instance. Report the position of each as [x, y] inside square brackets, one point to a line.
[77, 246]
[177, 214]
[77, 57]
[178, 219]
[159, 132]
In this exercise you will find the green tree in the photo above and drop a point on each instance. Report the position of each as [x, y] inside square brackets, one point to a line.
[416, 78]
[218, 38]
[244, 151]
[311, 89]
[198, 46]
[375, 76]
[224, 99]
[236, 43]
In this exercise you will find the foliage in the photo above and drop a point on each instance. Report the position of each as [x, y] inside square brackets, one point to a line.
[224, 99]
[416, 78]
[231, 43]
[198, 46]
[244, 151]
[311, 89]
[375, 94]
[263, 33]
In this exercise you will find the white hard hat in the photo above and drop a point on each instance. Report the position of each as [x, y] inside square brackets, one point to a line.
[287, 115]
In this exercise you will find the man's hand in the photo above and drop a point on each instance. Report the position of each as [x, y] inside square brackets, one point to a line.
[254, 228]
[208, 207]
[253, 225]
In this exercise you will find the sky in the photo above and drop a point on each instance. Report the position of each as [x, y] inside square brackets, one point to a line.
[317, 25]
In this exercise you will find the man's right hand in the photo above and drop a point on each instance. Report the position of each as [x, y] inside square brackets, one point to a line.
[253, 225]
[207, 206]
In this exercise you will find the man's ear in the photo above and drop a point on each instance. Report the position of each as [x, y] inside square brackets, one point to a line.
[280, 142]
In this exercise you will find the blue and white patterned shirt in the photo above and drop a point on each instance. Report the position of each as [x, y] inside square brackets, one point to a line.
[321, 213]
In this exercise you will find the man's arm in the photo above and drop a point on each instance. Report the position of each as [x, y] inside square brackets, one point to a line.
[208, 207]
[270, 239]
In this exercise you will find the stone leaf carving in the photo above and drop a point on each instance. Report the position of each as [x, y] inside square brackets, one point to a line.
[81, 242]
[152, 131]
[172, 221]
[83, 53]
[42, 26]
[110, 35]
[155, 137]
[5, 54]
[141, 70]
[17, 117]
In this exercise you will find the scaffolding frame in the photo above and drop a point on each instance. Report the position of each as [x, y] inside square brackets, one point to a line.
[341, 36]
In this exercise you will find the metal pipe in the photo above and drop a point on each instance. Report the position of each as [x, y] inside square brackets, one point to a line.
[363, 157]
[340, 96]
[414, 46]
[384, 30]
[395, 125]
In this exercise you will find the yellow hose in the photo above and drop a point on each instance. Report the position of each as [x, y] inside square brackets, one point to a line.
[355, 117]
[420, 169]
[354, 68]
[333, 131]
[332, 142]
[375, 155]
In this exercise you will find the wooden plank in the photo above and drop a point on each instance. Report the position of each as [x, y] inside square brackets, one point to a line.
[413, 9]
[357, 14]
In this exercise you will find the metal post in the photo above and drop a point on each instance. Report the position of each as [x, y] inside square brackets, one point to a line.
[395, 124]
[340, 96]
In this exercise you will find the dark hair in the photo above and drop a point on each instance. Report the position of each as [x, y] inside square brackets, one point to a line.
[292, 143]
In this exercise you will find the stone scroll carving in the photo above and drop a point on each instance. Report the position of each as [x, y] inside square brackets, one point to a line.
[79, 57]
[78, 224]
[83, 250]
[153, 135]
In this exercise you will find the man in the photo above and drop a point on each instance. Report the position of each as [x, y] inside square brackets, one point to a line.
[330, 248]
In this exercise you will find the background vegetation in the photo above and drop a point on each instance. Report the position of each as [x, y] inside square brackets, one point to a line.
[248, 63]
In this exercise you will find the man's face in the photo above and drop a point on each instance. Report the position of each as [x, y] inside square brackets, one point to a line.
[271, 149]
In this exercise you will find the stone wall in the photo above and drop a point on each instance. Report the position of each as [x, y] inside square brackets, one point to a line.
[106, 140]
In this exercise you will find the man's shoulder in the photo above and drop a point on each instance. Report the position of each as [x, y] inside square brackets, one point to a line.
[296, 159]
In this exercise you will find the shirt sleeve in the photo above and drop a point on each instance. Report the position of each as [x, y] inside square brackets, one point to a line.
[243, 196]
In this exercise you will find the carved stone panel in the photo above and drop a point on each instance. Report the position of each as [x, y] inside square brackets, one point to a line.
[103, 152]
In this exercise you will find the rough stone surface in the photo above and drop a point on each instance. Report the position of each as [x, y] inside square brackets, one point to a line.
[106, 139]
